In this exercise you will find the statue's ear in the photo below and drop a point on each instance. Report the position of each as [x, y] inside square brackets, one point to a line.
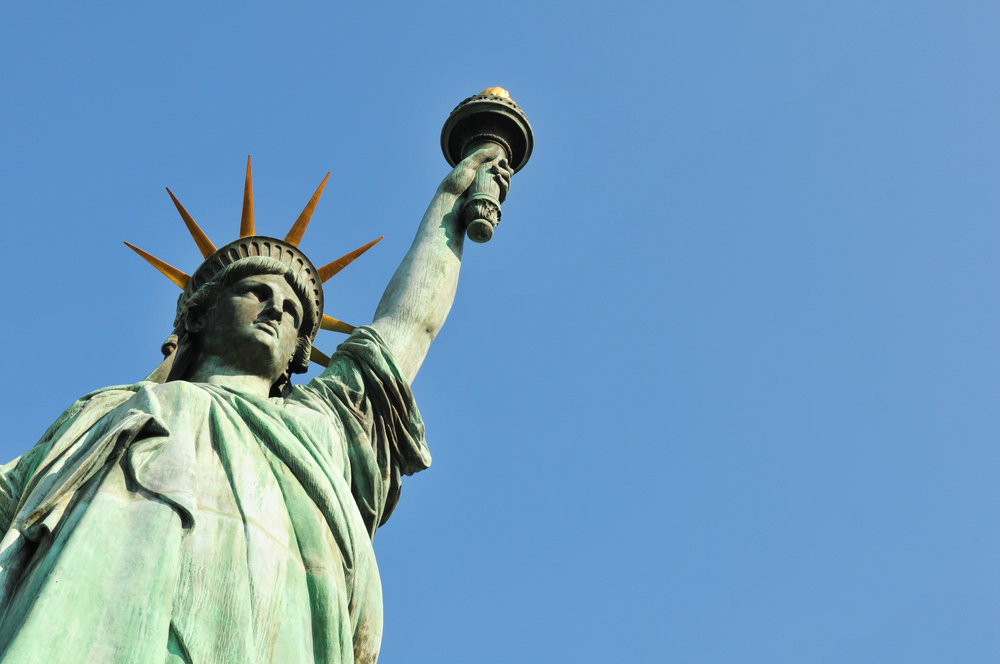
[300, 358]
[194, 320]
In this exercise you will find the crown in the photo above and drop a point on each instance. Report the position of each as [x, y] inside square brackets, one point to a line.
[250, 244]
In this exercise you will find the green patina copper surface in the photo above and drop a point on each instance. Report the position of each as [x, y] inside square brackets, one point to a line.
[216, 514]
[190, 523]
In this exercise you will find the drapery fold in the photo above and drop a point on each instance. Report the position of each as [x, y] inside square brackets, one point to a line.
[192, 522]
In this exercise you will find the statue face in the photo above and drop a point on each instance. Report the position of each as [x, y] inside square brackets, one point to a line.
[254, 326]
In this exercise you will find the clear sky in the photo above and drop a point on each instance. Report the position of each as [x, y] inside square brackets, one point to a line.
[723, 387]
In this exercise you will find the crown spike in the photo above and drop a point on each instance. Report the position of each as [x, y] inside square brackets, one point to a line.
[169, 271]
[299, 227]
[336, 266]
[318, 357]
[246, 222]
[205, 245]
[331, 323]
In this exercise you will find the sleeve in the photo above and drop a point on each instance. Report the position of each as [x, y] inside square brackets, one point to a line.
[383, 429]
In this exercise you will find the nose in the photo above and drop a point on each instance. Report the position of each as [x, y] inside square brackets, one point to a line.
[274, 307]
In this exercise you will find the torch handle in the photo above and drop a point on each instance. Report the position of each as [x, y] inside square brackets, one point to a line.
[482, 204]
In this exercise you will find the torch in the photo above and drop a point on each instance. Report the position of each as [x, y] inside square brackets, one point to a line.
[487, 119]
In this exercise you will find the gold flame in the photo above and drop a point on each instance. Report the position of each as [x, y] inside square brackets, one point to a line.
[496, 92]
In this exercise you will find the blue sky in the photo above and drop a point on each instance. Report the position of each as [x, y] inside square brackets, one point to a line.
[723, 388]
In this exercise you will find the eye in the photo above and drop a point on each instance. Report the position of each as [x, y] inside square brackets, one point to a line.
[260, 293]
[292, 311]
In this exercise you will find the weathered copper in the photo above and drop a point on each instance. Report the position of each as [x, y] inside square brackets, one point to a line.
[255, 245]
[285, 251]
[490, 118]
[488, 115]
[215, 512]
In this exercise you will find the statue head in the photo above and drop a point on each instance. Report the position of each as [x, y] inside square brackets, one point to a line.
[256, 302]
[238, 306]
[256, 314]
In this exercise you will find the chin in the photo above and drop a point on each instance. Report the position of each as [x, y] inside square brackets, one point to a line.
[257, 347]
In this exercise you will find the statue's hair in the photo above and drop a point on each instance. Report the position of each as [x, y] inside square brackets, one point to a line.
[206, 297]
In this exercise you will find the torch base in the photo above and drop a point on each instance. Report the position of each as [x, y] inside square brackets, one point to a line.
[480, 230]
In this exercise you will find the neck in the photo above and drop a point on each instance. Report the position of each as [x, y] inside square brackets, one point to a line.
[214, 371]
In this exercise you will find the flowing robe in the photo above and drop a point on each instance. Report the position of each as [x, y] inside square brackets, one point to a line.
[184, 522]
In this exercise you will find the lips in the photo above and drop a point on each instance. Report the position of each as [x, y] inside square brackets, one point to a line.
[271, 327]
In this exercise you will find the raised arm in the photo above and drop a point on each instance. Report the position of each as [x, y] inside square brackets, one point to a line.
[419, 295]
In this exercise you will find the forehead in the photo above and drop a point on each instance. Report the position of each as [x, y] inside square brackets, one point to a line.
[276, 282]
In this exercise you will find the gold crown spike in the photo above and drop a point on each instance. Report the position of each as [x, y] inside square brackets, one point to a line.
[299, 227]
[334, 325]
[246, 222]
[318, 357]
[497, 92]
[205, 245]
[169, 271]
[336, 266]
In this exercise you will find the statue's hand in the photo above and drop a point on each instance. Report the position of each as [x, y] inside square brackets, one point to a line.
[461, 176]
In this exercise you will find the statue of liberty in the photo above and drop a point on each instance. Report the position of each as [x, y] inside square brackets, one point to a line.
[215, 512]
